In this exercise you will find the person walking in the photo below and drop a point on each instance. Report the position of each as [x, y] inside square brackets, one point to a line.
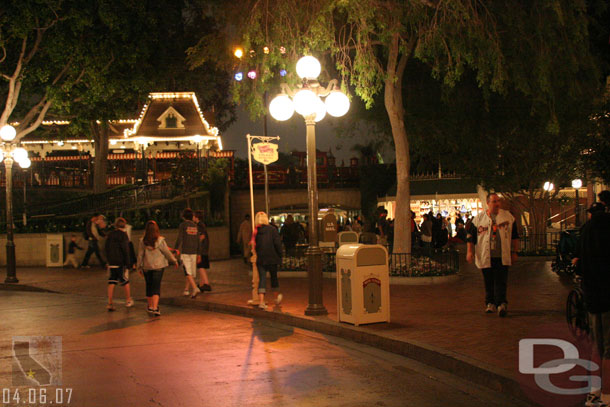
[188, 245]
[203, 259]
[290, 235]
[492, 243]
[593, 265]
[119, 262]
[93, 236]
[268, 245]
[71, 257]
[426, 231]
[244, 236]
[153, 257]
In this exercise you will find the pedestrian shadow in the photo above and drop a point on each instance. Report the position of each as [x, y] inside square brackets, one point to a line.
[113, 325]
[306, 377]
[534, 313]
[267, 333]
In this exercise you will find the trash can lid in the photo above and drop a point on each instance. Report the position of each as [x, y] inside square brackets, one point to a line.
[365, 254]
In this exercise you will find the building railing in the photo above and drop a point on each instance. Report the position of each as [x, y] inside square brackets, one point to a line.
[543, 243]
[422, 262]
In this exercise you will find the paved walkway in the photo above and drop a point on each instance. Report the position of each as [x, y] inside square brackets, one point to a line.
[443, 325]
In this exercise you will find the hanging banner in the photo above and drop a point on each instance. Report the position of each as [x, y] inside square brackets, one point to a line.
[265, 153]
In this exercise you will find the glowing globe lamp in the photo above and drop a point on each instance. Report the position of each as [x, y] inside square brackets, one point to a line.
[305, 102]
[20, 154]
[25, 163]
[239, 76]
[308, 67]
[8, 133]
[320, 110]
[337, 103]
[252, 75]
[281, 108]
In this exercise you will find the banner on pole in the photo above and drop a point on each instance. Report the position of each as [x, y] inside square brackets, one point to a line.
[265, 153]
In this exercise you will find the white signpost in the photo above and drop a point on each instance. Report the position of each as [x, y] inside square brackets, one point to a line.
[265, 153]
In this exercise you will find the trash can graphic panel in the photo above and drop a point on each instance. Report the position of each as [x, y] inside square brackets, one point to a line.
[363, 284]
[55, 250]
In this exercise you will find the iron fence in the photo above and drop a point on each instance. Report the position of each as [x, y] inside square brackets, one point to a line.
[421, 262]
[539, 243]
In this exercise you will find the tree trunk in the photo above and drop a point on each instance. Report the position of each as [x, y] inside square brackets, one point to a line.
[396, 113]
[100, 163]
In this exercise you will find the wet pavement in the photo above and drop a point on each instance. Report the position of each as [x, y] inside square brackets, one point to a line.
[195, 358]
[442, 319]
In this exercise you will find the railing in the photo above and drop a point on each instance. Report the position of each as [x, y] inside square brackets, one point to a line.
[422, 262]
[120, 198]
[541, 243]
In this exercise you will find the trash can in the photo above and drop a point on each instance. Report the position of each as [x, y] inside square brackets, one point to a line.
[348, 237]
[55, 250]
[363, 284]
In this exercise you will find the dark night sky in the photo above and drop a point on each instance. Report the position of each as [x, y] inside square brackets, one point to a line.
[292, 135]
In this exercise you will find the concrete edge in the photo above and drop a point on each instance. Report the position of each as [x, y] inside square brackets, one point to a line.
[442, 359]
[394, 280]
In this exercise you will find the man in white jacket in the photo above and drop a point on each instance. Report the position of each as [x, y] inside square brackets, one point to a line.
[493, 242]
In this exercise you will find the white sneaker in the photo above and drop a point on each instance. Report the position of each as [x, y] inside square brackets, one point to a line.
[279, 299]
[196, 293]
[263, 306]
[491, 308]
[593, 400]
[186, 293]
[129, 303]
[252, 302]
[502, 309]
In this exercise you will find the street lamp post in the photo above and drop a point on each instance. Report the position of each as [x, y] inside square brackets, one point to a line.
[10, 154]
[306, 100]
[577, 184]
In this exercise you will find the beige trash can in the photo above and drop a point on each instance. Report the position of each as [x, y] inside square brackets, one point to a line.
[363, 284]
[348, 237]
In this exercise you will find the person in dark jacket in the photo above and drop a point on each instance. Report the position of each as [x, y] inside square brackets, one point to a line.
[188, 245]
[203, 259]
[119, 262]
[593, 264]
[268, 245]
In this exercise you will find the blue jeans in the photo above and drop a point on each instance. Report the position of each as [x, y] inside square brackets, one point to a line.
[262, 273]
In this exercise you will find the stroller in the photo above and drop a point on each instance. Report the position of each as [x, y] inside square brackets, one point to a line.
[565, 251]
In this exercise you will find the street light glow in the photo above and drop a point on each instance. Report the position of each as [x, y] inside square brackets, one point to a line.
[320, 110]
[305, 102]
[337, 103]
[238, 53]
[548, 186]
[308, 67]
[20, 154]
[281, 108]
[8, 133]
[577, 183]
[25, 163]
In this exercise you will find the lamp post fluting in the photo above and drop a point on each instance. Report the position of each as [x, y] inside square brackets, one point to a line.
[576, 184]
[10, 153]
[306, 100]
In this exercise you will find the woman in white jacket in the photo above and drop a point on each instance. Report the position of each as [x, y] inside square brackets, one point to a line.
[153, 256]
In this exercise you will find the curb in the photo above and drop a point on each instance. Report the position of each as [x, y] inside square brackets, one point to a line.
[442, 359]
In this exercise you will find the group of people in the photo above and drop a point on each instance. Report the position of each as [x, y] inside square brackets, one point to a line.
[190, 254]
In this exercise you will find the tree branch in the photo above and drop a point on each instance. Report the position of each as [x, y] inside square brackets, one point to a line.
[36, 124]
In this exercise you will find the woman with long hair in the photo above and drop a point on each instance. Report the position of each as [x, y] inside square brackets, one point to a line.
[266, 240]
[153, 256]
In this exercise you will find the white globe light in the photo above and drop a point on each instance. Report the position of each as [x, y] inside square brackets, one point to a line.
[305, 102]
[577, 183]
[25, 163]
[320, 110]
[308, 67]
[281, 108]
[8, 133]
[548, 186]
[337, 103]
[19, 154]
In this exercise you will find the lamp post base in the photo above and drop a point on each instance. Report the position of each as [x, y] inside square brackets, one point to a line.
[11, 280]
[314, 271]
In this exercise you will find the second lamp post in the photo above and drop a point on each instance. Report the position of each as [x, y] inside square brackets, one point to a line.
[306, 100]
